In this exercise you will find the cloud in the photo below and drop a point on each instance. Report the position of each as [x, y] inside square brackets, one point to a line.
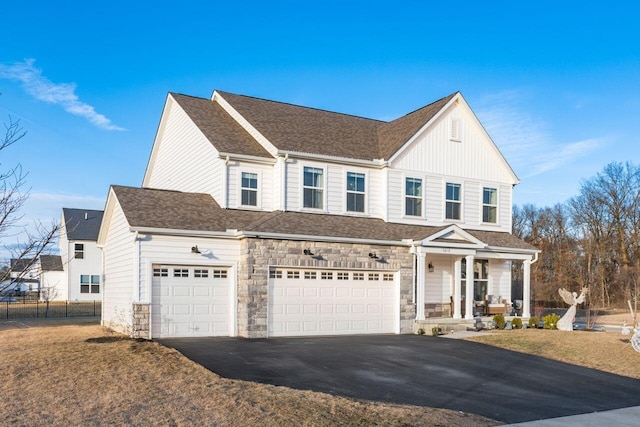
[63, 94]
[523, 138]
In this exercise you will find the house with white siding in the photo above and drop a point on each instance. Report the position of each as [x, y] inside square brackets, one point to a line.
[259, 218]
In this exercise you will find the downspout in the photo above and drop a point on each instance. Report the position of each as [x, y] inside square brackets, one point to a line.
[413, 251]
[225, 180]
[283, 183]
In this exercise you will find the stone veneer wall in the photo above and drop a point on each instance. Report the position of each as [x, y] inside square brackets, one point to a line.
[257, 255]
[141, 321]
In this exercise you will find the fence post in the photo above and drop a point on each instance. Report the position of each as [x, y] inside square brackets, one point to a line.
[94, 308]
[66, 309]
[38, 306]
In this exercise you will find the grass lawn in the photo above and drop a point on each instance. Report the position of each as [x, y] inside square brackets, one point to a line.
[83, 375]
[605, 351]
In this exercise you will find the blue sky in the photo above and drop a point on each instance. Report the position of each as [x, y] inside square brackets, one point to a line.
[556, 84]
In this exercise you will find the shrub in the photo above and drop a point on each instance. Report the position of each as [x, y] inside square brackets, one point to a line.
[498, 319]
[534, 322]
[517, 323]
[551, 321]
[421, 331]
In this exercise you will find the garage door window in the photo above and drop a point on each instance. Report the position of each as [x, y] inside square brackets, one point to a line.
[203, 273]
[387, 277]
[275, 274]
[180, 272]
[310, 275]
[219, 274]
[293, 274]
[326, 275]
[343, 276]
[358, 276]
[374, 276]
[160, 272]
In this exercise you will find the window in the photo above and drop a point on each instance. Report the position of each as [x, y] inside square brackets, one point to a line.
[358, 276]
[275, 274]
[313, 188]
[326, 275]
[413, 197]
[387, 277]
[452, 208]
[160, 272]
[489, 205]
[219, 274]
[374, 276]
[180, 272]
[79, 251]
[310, 275]
[249, 189]
[355, 192]
[292, 274]
[202, 273]
[343, 276]
[480, 278]
[89, 283]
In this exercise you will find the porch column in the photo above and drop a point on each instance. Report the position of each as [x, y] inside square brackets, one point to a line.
[457, 288]
[420, 283]
[469, 304]
[526, 288]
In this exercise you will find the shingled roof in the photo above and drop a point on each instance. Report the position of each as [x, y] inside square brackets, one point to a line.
[295, 128]
[51, 263]
[82, 224]
[175, 210]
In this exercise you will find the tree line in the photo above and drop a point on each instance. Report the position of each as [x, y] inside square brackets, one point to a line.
[592, 240]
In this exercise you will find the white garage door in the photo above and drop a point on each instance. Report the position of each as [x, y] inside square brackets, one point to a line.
[190, 301]
[331, 302]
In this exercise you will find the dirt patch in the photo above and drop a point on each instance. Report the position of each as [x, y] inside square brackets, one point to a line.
[80, 375]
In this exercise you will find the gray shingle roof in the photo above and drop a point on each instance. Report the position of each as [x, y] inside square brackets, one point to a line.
[82, 224]
[51, 263]
[303, 129]
[167, 209]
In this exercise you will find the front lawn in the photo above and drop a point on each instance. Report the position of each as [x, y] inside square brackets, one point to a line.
[83, 375]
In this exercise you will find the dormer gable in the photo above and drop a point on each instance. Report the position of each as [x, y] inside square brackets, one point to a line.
[452, 236]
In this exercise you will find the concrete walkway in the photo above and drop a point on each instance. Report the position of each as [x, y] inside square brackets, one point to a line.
[616, 417]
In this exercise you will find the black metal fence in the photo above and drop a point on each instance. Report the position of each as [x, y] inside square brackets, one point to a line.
[13, 308]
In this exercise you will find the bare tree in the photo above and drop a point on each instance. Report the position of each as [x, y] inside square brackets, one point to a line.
[12, 199]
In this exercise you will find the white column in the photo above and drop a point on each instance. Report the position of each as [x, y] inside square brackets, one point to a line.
[420, 283]
[526, 289]
[469, 305]
[457, 287]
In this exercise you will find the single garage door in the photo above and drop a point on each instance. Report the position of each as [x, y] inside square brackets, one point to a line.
[190, 301]
[331, 302]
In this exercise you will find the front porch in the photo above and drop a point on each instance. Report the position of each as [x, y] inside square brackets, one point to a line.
[449, 324]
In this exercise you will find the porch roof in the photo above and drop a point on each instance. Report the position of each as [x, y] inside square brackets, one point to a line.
[174, 210]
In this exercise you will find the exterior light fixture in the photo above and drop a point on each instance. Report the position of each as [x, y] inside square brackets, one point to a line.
[195, 250]
[373, 255]
[430, 267]
[308, 252]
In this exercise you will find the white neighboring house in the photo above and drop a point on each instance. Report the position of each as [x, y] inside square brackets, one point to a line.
[80, 256]
[25, 276]
[53, 283]
[260, 218]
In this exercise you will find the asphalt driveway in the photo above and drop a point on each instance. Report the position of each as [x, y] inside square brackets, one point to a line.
[425, 371]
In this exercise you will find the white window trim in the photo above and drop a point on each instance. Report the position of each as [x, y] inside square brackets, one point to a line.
[259, 189]
[445, 200]
[404, 197]
[482, 205]
[346, 192]
[325, 184]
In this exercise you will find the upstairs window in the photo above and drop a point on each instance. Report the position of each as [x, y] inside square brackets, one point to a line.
[355, 192]
[453, 201]
[249, 189]
[313, 188]
[490, 205]
[413, 197]
[78, 251]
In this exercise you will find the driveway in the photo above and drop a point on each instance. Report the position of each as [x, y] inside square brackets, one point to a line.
[424, 371]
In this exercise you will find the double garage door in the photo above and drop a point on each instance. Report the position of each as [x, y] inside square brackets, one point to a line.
[331, 302]
[189, 301]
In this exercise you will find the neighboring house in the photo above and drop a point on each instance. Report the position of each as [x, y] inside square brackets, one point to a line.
[80, 256]
[259, 218]
[24, 275]
[53, 283]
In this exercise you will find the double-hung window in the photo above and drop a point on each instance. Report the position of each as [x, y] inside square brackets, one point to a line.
[89, 283]
[249, 189]
[355, 192]
[453, 201]
[413, 197]
[313, 188]
[78, 252]
[490, 205]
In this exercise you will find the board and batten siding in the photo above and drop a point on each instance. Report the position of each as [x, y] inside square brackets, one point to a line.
[265, 184]
[119, 268]
[436, 289]
[500, 278]
[473, 156]
[184, 159]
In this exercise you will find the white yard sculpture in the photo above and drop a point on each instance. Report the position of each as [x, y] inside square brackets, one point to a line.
[571, 298]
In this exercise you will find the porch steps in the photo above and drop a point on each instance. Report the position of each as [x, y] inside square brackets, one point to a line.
[449, 325]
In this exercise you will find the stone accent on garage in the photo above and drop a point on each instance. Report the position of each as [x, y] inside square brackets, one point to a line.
[261, 254]
[141, 321]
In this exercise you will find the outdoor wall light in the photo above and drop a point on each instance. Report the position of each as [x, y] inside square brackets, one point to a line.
[430, 267]
[195, 250]
[373, 255]
[308, 252]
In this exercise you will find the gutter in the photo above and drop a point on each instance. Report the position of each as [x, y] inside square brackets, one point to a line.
[376, 163]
